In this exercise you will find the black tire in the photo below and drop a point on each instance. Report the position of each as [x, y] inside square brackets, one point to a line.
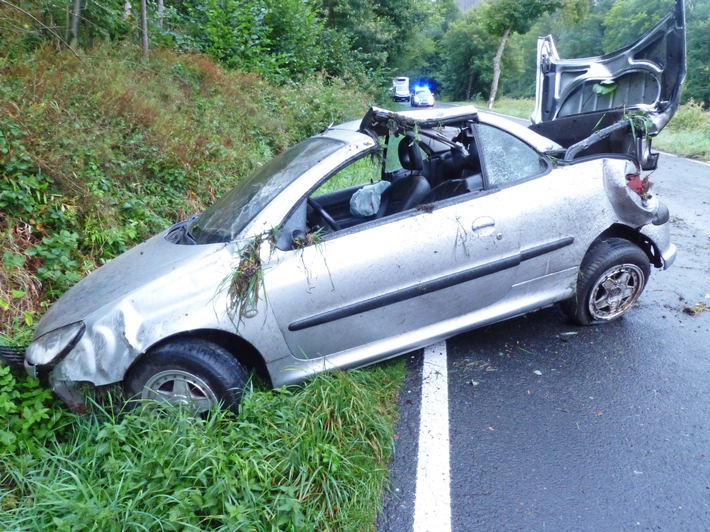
[195, 373]
[611, 278]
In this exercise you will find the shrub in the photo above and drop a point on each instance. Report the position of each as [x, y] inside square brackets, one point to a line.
[29, 414]
[691, 116]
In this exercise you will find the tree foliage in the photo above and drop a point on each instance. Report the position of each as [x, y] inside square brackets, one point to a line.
[626, 20]
[466, 54]
[698, 80]
[289, 40]
[517, 16]
[280, 39]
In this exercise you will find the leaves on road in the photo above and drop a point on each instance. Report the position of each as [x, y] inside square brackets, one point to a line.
[695, 309]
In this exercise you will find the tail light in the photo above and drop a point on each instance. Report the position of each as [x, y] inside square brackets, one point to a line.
[635, 183]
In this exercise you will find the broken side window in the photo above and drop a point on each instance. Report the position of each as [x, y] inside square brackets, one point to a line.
[507, 159]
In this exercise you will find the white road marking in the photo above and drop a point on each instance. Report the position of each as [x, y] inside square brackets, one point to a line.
[432, 503]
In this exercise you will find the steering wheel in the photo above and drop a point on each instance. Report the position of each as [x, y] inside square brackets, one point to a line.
[327, 218]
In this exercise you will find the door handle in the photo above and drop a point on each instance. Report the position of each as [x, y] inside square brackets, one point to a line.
[483, 226]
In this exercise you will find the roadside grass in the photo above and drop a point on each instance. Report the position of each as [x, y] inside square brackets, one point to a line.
[517, 107]
[310, 457]
[687, 134]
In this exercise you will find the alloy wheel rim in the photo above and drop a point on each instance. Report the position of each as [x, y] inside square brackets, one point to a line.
[180, 388]
[616, 291]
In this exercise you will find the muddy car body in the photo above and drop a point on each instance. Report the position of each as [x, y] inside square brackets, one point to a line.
[375, 238]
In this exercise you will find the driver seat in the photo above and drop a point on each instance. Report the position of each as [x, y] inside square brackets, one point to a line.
[404, 194]
[410, 155]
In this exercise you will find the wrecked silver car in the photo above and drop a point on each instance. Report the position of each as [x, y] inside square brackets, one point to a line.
[381, 236]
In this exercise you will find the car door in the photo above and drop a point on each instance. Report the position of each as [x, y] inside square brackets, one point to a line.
[389, 284]
[557, 212]
[645, 76]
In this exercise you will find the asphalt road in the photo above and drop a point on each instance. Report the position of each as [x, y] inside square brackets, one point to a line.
[557, 427]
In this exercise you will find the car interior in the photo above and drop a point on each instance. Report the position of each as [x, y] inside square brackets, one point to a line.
[429, 167]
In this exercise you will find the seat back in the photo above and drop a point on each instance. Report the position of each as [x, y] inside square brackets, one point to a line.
[410, 155]
[405, 193]
[454, 187]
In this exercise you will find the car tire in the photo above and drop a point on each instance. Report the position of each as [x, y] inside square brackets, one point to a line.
[193, 373]
[612, 276]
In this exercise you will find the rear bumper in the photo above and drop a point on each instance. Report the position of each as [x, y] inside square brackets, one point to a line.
[669, 256]
[660, 236]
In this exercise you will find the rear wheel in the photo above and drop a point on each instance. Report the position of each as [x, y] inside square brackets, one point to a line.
[193, 373]
[612, 276]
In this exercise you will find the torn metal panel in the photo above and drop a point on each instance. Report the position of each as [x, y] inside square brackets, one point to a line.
[646, 76]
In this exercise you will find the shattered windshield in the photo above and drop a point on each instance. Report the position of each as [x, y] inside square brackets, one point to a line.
[224, 220]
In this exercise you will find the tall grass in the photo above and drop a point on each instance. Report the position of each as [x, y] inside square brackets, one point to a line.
[307, 458]
[517, 107]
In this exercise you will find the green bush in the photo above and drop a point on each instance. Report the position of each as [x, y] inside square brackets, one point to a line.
[29, 415]
[691, 116]
[688, 133]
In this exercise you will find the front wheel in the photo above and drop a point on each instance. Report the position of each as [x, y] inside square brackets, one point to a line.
[193, 373]
[611, 278]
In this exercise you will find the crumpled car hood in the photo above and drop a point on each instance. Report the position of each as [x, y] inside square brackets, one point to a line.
[121, 276]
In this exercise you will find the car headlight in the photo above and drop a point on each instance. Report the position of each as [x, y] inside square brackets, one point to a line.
[55, 345]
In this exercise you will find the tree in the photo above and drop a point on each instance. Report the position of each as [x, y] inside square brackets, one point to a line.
[698, 46]
[422, 58]
[380, 32]
[144, 28]
[503, 17]
[76, 17]
[628, 19]
[466, 52]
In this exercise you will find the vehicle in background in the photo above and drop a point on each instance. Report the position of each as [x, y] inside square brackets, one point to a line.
[422, 97]
[401, 89]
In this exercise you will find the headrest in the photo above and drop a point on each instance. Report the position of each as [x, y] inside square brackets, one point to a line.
[410, 156]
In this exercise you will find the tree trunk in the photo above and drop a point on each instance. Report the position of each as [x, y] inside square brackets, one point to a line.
[470, 85]
[496, 68]
[67, 26]
[161, 12]
[76, 17]
[144, 28]
[127, 8]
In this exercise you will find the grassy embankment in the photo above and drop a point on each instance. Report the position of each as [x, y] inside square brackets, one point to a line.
[687, 134]
[96, 155]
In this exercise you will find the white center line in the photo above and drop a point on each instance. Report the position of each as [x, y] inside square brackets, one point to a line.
[432, 503]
